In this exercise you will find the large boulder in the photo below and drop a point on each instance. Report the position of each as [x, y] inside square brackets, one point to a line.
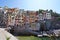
[4, 35]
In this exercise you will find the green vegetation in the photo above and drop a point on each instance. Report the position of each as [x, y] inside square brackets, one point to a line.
[32, 38]
[37, 38]
[55, 14]
[28, 38]
[8, 38]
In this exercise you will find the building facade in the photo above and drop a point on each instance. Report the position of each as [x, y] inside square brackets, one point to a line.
[28, 19]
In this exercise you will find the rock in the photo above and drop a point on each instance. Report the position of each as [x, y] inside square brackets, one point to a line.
[4, 35]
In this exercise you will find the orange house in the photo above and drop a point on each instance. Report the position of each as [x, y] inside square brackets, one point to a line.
[32, 17]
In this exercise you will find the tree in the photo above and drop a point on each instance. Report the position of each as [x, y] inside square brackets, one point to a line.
[51, 11]
[55, 14]
[40, 11]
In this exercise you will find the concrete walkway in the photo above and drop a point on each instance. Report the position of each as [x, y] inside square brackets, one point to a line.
[4, 35]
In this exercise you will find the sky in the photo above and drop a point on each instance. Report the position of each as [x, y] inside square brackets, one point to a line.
[32, 4]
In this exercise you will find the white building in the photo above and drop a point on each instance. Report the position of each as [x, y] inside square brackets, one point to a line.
[44, 15]
[48, 15]
[40, 16]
